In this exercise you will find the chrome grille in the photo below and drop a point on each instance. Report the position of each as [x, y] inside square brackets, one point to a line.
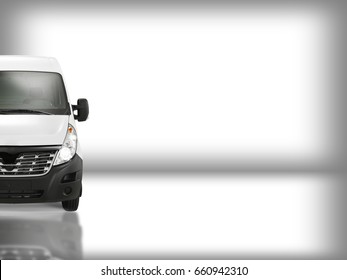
[28, 164]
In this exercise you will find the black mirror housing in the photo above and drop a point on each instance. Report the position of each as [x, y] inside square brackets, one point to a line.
[82, 108]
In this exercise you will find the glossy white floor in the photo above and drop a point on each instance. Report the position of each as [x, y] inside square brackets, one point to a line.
[179, 216]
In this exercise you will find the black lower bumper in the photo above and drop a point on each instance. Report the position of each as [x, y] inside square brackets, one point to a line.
[62, 182]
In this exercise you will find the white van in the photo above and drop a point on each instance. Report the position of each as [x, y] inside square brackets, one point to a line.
[40, 157]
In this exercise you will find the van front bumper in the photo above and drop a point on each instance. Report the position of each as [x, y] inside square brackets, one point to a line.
[62, 182]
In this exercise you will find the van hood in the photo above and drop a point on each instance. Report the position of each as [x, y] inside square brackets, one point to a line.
[33, 130]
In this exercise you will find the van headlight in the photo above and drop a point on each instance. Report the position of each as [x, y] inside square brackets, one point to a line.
[68, 149]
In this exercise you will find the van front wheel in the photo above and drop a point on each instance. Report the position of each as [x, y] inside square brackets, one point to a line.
[71, 205]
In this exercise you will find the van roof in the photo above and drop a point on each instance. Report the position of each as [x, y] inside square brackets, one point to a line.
[29, 63]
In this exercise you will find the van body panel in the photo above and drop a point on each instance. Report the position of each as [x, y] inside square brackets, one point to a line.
[29, 63]
[32, 130]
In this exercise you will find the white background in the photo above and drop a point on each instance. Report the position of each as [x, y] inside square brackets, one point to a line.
[192, 87]
[181, 89]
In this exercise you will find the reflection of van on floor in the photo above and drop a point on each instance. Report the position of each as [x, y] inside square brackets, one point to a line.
[40, 157]
[41, 236]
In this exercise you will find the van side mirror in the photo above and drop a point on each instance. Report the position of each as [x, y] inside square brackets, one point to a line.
[82, 108]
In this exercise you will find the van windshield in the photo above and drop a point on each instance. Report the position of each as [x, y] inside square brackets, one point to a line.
[23, 92]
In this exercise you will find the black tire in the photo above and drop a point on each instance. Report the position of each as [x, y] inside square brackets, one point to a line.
[71, 205]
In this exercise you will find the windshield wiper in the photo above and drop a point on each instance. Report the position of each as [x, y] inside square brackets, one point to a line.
[23, 111]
